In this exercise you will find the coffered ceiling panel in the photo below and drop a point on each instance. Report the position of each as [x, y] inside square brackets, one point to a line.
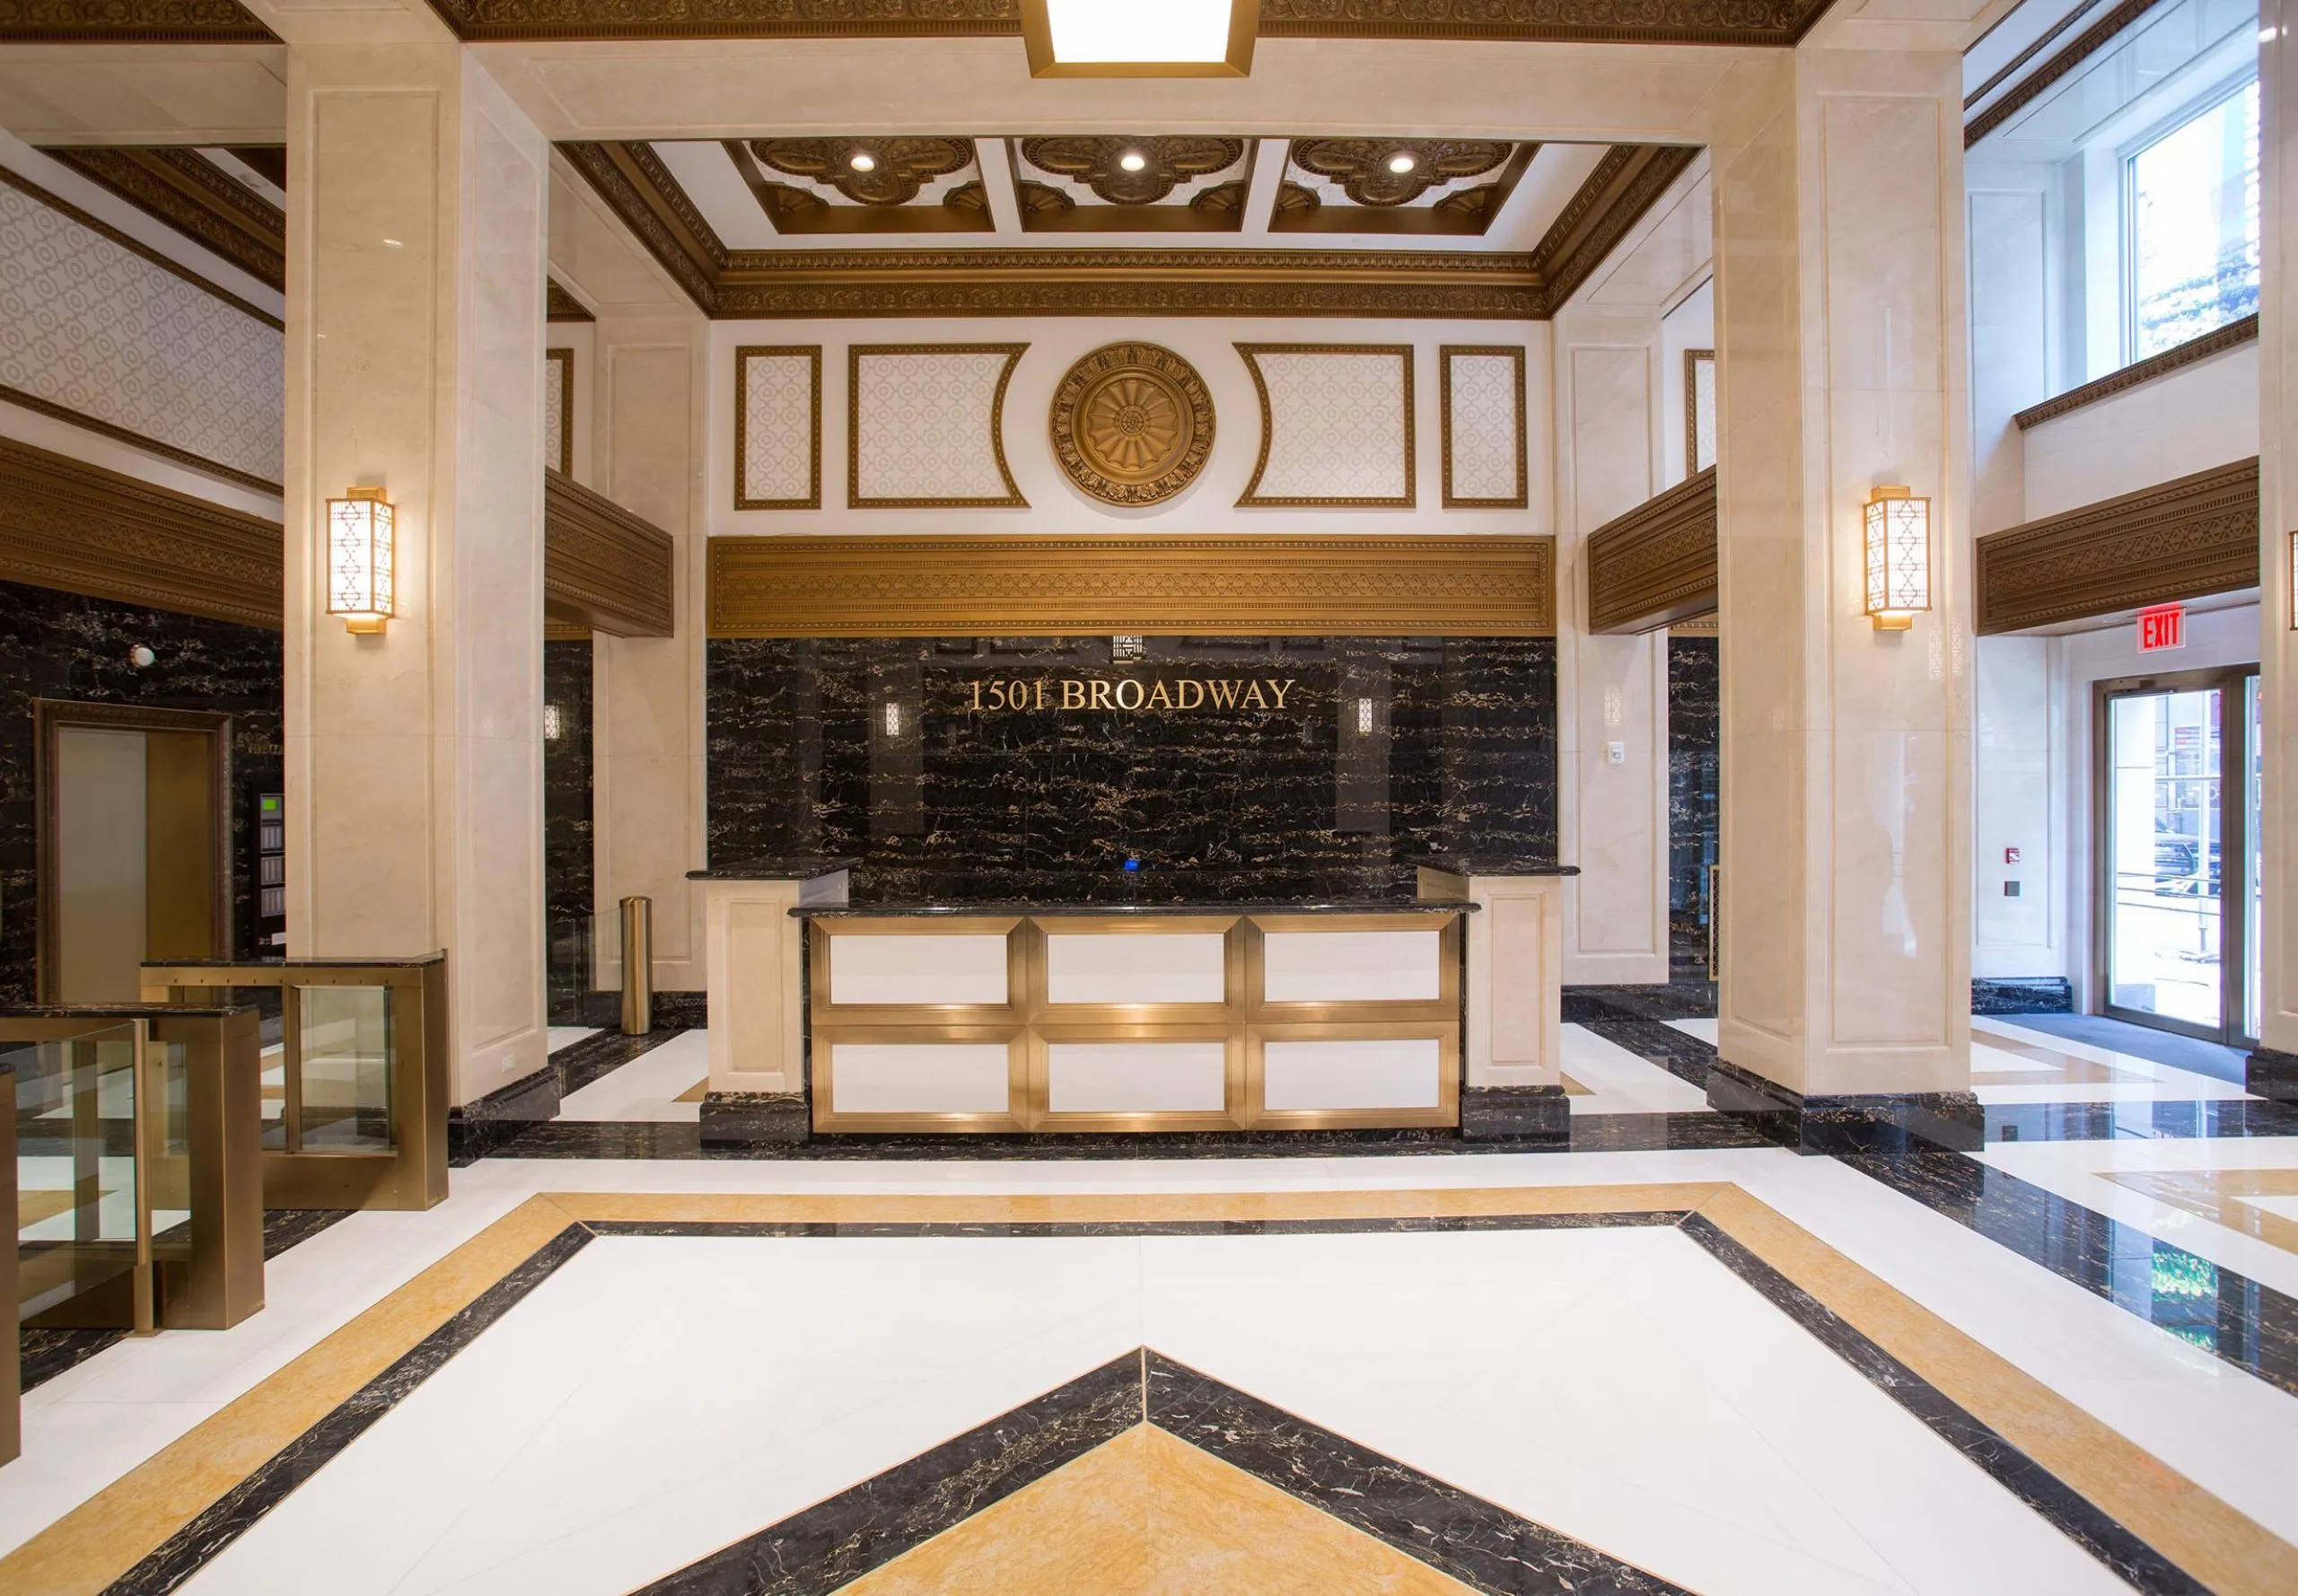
[1132, 182]
[1445, 187]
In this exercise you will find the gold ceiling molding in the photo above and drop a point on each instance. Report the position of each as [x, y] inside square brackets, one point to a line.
[2185, 539]
[1655, 565]
[1365, 168]
[2032, 87]
[1456, 285]
[1211, 585]
[1778, 23]
[559, 305]
[130, 21]
[2233, 335]
[194, 196]
[1132, 424]
[604, 569]
[69, 526]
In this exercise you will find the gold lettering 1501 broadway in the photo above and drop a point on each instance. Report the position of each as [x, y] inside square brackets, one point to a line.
[1081, 694]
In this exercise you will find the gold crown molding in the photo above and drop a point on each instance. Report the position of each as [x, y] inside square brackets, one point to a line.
[1698, 625]
[1130, 395]
[130, 21]
[1252, 496]
[633, 180]
[2185, 539]
[1692, 360]
[1777, 23]
[812, 355]
[855, 354]
[563, 377]
[2031, 87]
[64, 207]
[2231, 336]
[194, 196]
[554, 630]
[168, 451]
[604, 567]
[1656, 564]
[1624, 186]
[1217, 585]
[559, 305]
[1444, 353]
[79, 527]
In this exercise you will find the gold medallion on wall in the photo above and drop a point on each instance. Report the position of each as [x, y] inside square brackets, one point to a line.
[1132, 424]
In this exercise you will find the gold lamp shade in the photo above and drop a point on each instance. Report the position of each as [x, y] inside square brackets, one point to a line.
[360, 577]
[1898, 557]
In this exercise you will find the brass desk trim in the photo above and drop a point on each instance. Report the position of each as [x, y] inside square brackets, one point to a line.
[1027, 1023]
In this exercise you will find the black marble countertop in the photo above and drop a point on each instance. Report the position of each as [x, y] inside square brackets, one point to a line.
[1494, 864]
[797, 868]
[1127, 911]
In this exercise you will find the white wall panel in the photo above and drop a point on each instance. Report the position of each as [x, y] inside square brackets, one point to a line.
[1356, 1074]
[1350, 966]
[917, 969]
[1135, 1077]
[918, 1077]
[1186, 966]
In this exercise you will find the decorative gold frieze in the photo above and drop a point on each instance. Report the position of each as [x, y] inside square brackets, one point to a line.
[1213, 585]
[1656, 564]
[604, 567]
[1624, 186]
[2180, 539]
[2038, 82]
[194, 196]
[130, 21]
[559, 305]
[1132, 424]
[79, 527]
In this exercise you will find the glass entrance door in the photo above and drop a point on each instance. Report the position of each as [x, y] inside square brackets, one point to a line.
[2179, 873]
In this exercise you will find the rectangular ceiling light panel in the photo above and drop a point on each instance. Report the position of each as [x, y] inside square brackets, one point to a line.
[1144, 38]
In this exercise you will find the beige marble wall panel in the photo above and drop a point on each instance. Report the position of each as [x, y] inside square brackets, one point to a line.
[414, 758]
[2010, 368]
[754, 995]
[1515, 977]
[1612, 821]
[2020, 773]
[648, 709]
[2278, 514]
[1846, 779]
[2187, 420]
[132, 93]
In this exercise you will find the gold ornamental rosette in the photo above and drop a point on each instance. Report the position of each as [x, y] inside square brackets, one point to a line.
[1132, 424]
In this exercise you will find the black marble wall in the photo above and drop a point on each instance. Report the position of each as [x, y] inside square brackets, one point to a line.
[567, 780]
[1694, 734]
[62, 646]
[1384, 750]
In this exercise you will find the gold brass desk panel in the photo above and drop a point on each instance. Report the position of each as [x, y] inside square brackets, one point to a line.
[1028, 1024]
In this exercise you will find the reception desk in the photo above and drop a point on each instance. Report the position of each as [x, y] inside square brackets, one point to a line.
[1392, 1012]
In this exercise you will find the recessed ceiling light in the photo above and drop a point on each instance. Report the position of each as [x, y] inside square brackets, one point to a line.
[863, 161]
[1401, 162]
[1133, 161]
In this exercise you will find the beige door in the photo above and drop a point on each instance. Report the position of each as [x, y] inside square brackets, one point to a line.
[136, 865]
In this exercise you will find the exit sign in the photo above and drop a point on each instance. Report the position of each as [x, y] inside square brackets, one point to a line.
[2162, 628]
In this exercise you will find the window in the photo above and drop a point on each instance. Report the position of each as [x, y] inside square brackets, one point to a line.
[2193, 225]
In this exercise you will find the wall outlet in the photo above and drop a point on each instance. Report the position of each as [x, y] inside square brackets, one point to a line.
[1615, 753]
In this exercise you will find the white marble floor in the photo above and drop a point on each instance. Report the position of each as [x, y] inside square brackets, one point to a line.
[563, 1036]
[2233, 1434]
[647, 1088]
[1620, 1386]
[1619, 1082]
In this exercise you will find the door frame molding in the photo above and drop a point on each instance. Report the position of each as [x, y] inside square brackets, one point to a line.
[51, 716]
[2234, 842]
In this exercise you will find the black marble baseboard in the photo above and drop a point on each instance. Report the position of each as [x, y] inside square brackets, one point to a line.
[1879, 1122]
[2021, 994]
[678, 1011]
[2272, 1074]
[1516, 1114]
[1678, 999]
[754, 1118]
[481, 1126]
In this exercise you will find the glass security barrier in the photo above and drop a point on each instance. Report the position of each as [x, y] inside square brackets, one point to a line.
[585, 970]
[354, 1089]
[83, 1215]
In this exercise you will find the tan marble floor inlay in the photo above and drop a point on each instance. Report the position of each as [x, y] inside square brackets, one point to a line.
[2217, 1196]
[1573, 1088]
[694, 1093]
[2065, 1069]
[1148, 1514]
[104, 1537]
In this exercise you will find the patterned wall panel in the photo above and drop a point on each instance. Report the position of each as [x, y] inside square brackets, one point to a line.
[778, 427]
[95, 330]
[558, 410]
[1484, 425]
[1336, 424]
[925, 424]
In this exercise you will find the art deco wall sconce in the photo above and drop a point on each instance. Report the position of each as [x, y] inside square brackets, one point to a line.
[1898, 557]
[359, 560]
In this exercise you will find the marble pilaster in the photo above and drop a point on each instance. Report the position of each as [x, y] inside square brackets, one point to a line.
[414, 332]
[1846, 786]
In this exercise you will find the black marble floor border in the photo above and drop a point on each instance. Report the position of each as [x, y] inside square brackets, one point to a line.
[1438, 1523]
[2072, 1514]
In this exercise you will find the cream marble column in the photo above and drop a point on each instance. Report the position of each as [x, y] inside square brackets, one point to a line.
[2273, 1068]
[415, 339]
[1612, 817]
[647, 793]
[1846, 762]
